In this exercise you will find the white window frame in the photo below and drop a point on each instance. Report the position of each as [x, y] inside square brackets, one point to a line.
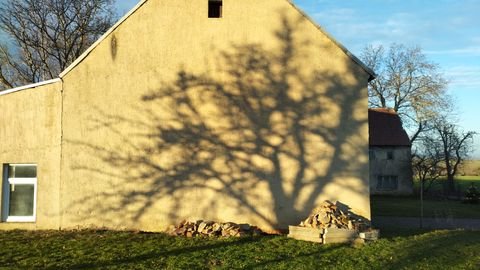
[6, 194]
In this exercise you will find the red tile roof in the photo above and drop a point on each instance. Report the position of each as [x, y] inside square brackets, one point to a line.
[385, 128]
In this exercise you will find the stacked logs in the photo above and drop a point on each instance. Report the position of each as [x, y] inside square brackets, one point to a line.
[212, 228]
[329, 215]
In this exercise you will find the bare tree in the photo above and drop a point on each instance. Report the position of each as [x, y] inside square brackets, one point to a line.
[456, 145]
[440, 153]
[45, 36]
[407, 82]
[427, 161]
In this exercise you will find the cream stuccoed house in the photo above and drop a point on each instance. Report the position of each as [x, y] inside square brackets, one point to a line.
[242, 111]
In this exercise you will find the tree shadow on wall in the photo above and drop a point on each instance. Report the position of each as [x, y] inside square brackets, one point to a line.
[260, 139]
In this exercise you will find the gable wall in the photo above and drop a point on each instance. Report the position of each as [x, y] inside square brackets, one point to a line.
[107, 121]
[30, 134]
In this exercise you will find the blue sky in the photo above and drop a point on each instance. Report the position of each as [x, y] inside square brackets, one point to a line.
[448, 31]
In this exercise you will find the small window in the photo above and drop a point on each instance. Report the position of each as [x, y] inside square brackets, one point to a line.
[215, 8]
[390, 155]
[371, 154]
[387, 182]
[19, 193]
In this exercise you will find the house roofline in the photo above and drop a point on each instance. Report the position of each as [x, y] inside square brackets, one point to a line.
[355, 59]
[29, 86]
[102, 38]
[390, 145]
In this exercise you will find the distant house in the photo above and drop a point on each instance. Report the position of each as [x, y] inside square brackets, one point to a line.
[389, 153]
[242, 111]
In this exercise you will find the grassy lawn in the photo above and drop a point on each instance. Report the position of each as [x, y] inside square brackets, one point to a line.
[469, 178]
[465, 181]
[461, 182]
[410, 207]
[127, 250]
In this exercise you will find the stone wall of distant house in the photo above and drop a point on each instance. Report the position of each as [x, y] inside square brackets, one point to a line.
[390, 170]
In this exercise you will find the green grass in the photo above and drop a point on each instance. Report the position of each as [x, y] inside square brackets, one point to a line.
[410, 207]
[127, 250]
[469, 178]
[461, 182]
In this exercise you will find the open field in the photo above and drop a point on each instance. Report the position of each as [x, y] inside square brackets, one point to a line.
[127, 250]
[462, 180]
[410, 207]
[470, 167]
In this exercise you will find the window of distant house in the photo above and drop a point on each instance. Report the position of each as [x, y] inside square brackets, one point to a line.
[390, 155]
[387, 182]
[19, 192]
[215, 8]
[371, 154]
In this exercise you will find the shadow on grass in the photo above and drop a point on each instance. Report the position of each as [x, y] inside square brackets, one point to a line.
[409, 206]
[294, 257]
[166, 253]
[390, 233]
[444, 247]
[123, 250]
[232, 255]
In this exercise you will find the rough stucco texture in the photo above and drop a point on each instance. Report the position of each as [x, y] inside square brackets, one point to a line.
[399, 166]
[255, 117]
[30, 134]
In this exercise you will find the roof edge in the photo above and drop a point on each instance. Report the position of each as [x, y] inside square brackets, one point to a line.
[29, 86]
[389, 145]
[102, 38]
[355, 59]
[386, 110]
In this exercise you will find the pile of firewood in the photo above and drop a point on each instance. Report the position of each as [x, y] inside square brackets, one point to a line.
[329, 215]
[211, 228]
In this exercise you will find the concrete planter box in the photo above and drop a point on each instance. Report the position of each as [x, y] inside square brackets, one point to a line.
[370, 235]
[324, 236]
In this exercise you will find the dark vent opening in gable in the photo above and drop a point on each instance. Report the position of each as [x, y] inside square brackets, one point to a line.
[215, 9]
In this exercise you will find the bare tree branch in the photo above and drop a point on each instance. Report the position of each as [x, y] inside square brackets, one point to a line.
[407, 82]
[47, 36]
[441, 152]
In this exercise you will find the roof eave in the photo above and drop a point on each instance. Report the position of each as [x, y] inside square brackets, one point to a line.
[389, 145]
[29, 86]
